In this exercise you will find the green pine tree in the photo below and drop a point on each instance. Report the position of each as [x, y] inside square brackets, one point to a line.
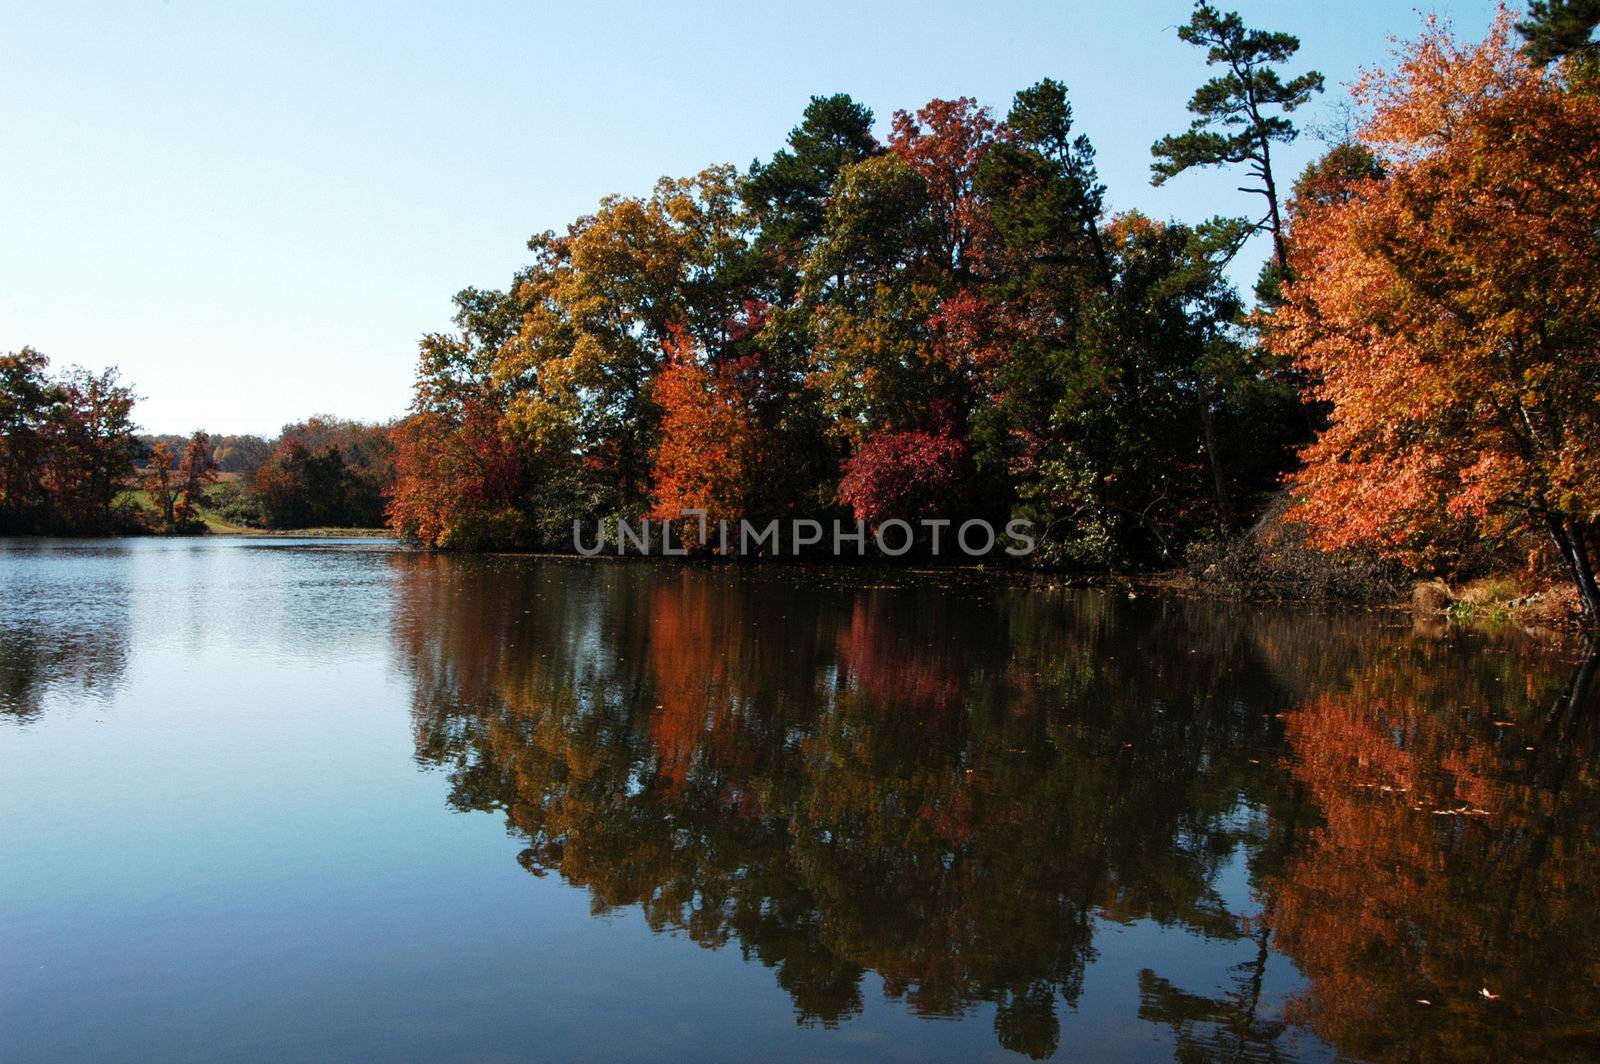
[1232, 122]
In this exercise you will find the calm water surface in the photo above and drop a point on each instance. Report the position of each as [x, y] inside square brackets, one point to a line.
[281, 800]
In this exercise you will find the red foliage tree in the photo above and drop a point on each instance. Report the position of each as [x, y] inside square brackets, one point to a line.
[197, 472]
[906, 475]
[946, 142]
[160, 485]
[457, 478]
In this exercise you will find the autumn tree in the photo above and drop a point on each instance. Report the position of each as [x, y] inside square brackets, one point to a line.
[903, 345]
[908, 475]
[711, 448]
[463, 477]
[196, 473]
[160, 483]
[946, 142]
[597, 309]
[27, 397]
[1239, 115]
[93, 448]
[1449, 312]
[458, 479]
[560, 369]
[66, 446]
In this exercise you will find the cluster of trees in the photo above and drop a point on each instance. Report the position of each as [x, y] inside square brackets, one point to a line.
[69, 457]
[178, 488]
[950, 321]
[320, 472]
[947, 322]
[323, 472]
[66, 447]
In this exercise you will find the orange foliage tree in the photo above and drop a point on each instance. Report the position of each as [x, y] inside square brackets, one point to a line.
[159, 483]
[456, 478]
[1450, 311]
[198, 471]
[709, 447]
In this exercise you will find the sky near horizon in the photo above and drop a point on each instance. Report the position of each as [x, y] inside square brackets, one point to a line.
[255, 211]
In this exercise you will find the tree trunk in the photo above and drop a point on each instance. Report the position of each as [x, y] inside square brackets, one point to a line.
[1280, 248]
[1588, 585]
[1208, 426]
[1571, 540]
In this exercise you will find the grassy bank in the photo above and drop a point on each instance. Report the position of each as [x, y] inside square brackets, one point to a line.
[217, 524]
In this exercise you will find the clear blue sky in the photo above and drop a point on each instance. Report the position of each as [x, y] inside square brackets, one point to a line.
[256, 210]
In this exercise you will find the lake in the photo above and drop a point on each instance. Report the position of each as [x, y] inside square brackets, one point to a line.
[275, 799]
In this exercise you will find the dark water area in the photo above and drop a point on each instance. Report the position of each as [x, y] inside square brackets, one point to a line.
[284, 800]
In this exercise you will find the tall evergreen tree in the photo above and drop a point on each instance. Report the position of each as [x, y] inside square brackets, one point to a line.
[788, 194]
[1233, 120]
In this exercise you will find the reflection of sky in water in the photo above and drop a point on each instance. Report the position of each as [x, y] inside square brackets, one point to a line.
[217, 842]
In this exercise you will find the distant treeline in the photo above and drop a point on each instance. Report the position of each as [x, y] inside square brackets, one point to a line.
[71, 463]
[318, 473]
[324, 472]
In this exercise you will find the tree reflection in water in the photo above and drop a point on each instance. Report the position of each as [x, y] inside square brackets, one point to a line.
[69, 640]
[952, 784]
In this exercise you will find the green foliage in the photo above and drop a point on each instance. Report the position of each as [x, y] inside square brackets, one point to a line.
[1046, 195]
[787, 194]
[1233, 123]
[1555, 29]
[231, 502]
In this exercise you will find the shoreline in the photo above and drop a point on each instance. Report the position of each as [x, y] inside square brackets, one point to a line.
[1539, 613]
